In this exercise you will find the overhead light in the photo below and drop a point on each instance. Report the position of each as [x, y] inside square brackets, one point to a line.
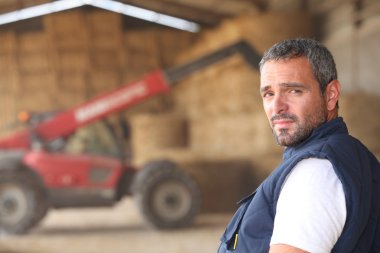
[38, 10]
[141, 13]
[110, 5]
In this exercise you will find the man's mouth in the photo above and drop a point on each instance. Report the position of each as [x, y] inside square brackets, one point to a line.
[283, 121]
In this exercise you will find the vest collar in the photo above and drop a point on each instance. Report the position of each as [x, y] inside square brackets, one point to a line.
[335, 126]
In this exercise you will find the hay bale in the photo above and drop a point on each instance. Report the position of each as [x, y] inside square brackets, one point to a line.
[106, 59]
[27, 101]
[8, 42]
[68, 99]
[38, 82]
[8, 82]
[73, 60]
[156, 132]
[32, 42]
[359, 110]
[105, 30]
[67, 30]
[144, 39]
[243, 136]
[102, 81]
[225, 88]
[171, 43]
[141, 49]
[8, 111]
[7, 63]
[97, 25]
[267, 28]
[262, 30]
[230, 86]
[34, 62]
[72, 82]
[107, 41]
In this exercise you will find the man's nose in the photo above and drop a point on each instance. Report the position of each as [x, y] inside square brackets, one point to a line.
[280, 105]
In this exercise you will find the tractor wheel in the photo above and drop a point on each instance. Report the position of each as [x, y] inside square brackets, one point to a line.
[166, 196]
[23, 200]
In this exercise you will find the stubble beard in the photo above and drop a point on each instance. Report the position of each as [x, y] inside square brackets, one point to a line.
[303, 128]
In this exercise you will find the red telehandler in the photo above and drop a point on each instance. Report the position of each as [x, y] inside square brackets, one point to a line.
[36, 174]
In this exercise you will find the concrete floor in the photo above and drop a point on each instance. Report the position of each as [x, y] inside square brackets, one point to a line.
[120, 229]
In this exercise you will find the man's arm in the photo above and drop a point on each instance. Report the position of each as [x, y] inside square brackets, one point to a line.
[283, 248]
[311, 209]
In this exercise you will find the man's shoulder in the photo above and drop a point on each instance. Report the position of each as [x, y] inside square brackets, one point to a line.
[312, 168]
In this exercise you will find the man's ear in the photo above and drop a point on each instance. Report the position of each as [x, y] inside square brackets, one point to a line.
[332, 94]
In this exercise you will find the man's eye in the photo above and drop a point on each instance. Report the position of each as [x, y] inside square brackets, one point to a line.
[295, 91]
[267, 94]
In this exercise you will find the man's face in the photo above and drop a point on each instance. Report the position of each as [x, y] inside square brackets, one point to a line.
[292, 100]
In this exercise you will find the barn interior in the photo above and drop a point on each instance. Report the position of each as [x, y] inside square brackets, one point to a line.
[211, 123]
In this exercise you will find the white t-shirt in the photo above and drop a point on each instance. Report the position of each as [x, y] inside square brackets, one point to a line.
[311, 209]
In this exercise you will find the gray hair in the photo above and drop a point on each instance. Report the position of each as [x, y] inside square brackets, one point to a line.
[318, 55]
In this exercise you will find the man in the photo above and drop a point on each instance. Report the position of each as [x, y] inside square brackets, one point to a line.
[325, 195]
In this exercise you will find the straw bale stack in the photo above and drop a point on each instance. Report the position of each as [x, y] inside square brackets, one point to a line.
[142, 49]
[8, 106]
[71, 81]
[33, 62]
[229, 136]
[232, 136]
[171, 43]
[270, 27]
[360, 111]
[28, 102]
[8, 42]
[223, 89]
[260, 29]
[73, 60]
[8, 83]
[38, 82]
[156, 132]
[103, 81]
[105, 29]
[72, 89]
[67, 30]
[107, 59]
[68, 99]
[32, 42]
[80, 54]
[7, 63]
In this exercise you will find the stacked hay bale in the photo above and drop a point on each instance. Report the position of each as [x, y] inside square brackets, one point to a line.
[68, 41]
[360, 111]
[8, 78]
[157, 132]
[76, 55]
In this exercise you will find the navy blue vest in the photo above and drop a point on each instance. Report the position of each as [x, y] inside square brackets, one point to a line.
[250, 230]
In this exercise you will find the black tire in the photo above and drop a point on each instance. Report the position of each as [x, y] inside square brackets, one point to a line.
[167, 197]
[23, 200]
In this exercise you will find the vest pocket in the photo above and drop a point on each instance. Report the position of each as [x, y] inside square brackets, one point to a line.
[230, 238]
